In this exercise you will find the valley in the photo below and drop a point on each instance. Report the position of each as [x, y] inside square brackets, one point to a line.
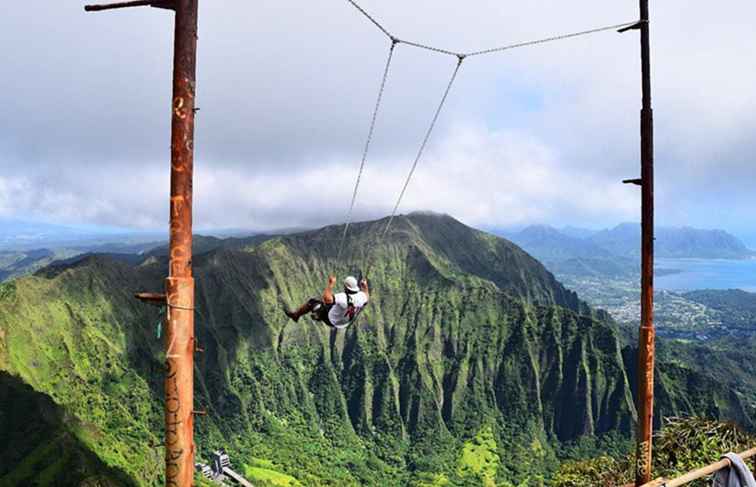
[472, 365]
[697, 276]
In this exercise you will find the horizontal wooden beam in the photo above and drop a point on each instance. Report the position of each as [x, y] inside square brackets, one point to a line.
[699, 473]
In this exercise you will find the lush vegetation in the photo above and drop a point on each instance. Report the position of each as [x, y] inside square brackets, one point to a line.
[472, 365]
[41, 442]
[737, 309]
[682, 445]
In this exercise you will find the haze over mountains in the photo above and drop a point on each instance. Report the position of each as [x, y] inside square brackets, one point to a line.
[27, 246]
[615, 252]
[21, 235]
[548, 243]
[471, 364]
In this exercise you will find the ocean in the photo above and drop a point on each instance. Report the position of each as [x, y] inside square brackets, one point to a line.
[706, 274]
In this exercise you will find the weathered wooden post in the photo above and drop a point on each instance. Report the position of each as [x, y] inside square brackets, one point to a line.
[646, 338]
[647, 332]
[179, 337]
[179, 287]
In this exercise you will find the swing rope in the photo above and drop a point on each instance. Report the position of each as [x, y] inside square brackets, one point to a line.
[371, 19]
[367, 147]
[419, 156]
[552, 39]
[424, 144]
[460, 57]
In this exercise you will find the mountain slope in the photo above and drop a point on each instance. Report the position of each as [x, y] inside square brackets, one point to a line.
[549, 244]
[41, 444]
[17, 263]
[77, 336]
[469, 351]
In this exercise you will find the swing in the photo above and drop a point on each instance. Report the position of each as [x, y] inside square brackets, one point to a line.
[395, 41]
[321, 309]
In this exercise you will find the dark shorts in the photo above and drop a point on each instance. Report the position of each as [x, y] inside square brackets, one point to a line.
[320, 311]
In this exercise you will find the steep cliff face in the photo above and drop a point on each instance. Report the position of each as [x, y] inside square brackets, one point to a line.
[712, 380]
[76, 336]
[40, 442]
[468, 343]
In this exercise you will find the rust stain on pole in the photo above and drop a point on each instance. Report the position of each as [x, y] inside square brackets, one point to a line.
[179, 286]
[179, 337]
[647, 334]
[179, 383]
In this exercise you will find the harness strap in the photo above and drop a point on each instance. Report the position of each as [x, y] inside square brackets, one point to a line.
[351, 313]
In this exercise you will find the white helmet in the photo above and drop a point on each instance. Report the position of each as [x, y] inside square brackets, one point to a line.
[350, 284]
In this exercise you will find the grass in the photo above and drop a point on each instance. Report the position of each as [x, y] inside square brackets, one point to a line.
[269, 476]
[479, 458]
[682, 445]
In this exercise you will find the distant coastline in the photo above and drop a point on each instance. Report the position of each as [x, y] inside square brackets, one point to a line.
[666, 272]
[688, 274]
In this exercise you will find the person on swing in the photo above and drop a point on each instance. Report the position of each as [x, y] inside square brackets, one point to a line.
[336, 310]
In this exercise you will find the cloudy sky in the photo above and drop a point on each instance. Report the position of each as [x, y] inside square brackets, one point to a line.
[538, 135]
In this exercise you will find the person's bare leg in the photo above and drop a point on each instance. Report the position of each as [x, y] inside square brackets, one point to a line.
[301, 311]
[310, 305]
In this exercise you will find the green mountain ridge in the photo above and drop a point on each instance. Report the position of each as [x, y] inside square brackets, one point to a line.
[471, 365]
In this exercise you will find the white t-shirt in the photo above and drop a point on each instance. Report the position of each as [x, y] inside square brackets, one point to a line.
[339, 315]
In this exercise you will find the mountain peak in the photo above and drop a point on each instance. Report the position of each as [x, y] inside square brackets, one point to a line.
[429, 213]
[547, 243]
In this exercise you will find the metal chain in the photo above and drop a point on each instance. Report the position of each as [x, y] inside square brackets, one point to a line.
[487, 51]
[552, 39]
[368, 260]
[367, 147]
[371, 19]
[431, 48]
[422, 146]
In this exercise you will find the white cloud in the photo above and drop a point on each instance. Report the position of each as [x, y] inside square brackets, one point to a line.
[479, 175]
[286, 90]
[10, 192]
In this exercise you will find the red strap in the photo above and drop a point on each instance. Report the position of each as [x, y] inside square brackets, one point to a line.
[351, 312]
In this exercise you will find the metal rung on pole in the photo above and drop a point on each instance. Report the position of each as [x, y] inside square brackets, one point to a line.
[167, 4]
[152, 298]
[635, 26]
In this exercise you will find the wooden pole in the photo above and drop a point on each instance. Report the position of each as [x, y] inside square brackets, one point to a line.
[179, 336]
[179, 286]
[647, 332]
